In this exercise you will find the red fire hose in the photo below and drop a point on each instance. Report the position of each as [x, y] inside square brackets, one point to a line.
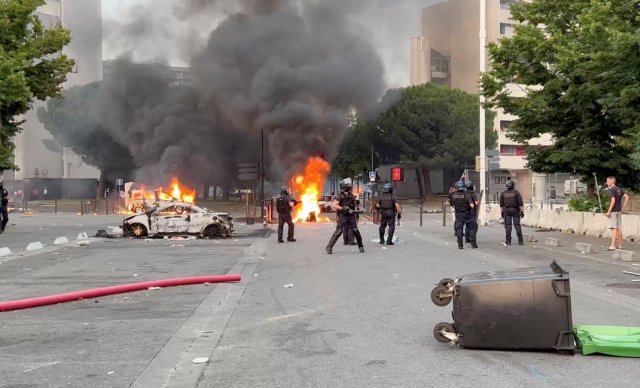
[73, 296]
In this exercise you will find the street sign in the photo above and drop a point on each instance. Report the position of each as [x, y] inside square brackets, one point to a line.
[493, 160]
[248, 165]
[397, 174]
[372, 176]
[118, 182]
[249, 177]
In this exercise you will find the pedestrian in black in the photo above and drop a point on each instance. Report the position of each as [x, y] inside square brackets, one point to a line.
[4, 202]
[284, 205]
[462, 203]
[345, 203]
[512, 210]
[389, 208]
[473, 222]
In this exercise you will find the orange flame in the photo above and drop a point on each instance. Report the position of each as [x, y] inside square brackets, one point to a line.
[309, 187]
[187, 196]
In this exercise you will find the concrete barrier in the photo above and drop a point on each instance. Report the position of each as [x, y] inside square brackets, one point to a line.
[630, 227]
[574, 221]
[554, 242]
[562, 222]
[34, 246]
[623, 255]
[529, 238]
[82, 236]
[5, 252]
[531, 217]
[547, 219]
[585, 248]
[596, 225]
[61, 241]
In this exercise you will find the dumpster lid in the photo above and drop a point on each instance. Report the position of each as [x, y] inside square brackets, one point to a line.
[555, 269]
[610, 340]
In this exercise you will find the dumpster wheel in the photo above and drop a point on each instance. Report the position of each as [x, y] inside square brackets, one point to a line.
[446, 282]
[441, 296]
[445, 333]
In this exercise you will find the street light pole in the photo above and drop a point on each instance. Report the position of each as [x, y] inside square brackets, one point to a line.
[262, 177]
[483, 151]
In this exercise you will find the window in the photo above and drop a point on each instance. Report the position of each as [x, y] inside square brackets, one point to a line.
[506, 29]
[508, 150]
[505, 126]
[441, 65]
[506, 4]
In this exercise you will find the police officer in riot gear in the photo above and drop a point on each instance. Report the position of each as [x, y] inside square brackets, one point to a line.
[463, 203]
[345, 203]
[4, 202]
[474, 213]
[512, 209]
[349, 238]
[389, 207]
[284, 205]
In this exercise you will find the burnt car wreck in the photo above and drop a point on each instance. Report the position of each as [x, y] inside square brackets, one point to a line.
[179, 219]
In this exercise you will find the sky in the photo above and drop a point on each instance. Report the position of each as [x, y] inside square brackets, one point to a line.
[390, 23]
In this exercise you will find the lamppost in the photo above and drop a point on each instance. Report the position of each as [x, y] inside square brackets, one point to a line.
[483, 151]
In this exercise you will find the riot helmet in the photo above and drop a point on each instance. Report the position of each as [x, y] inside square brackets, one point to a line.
[346, 187]
[284, 190]
[388, 188]
[470, 186]
[510, 184]
[460, 186]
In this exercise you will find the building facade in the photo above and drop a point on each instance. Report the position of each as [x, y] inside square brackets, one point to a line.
[84, 19]
[447, 52]
[175, 75]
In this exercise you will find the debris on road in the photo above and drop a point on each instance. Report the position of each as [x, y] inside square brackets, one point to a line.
[155, 288]
[175, 245]
[631, 273]
[200, 360]
[127, 298]
[288, 286]
[110, 373]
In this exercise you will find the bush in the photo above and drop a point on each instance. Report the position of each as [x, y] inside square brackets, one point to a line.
[586, 204]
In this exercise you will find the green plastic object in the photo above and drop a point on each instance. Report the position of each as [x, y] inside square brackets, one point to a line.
[609, 340]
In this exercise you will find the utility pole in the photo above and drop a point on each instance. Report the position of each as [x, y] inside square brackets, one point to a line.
[371, 156]
[483, 151]
[262, 177]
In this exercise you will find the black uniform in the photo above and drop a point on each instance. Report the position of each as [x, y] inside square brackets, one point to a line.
[473, 222]
[462, 202]
[511, 203]
[284, 216]
[347, 233]
[345, 220]
[388, 214]
[4, 195]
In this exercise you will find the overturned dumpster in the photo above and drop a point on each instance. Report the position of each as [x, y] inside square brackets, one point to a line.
[520, 309]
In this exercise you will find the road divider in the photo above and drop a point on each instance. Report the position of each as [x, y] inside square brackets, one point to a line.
[553, 242]
[4, 252]
[585, 248]
[82, 236]
[624, 255]
[35, 246]
[61, 241]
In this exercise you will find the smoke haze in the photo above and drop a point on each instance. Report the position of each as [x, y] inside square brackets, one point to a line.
[293, 69]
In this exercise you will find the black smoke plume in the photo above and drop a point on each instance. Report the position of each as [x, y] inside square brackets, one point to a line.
[292, 69]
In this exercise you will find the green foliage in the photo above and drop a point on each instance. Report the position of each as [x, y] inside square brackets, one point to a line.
[586, 204]
[71, 121]
[31, 67]
[584, 54]
[420, 126]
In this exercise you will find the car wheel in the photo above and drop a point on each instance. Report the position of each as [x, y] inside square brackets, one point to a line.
[138, 230]
[213, 231]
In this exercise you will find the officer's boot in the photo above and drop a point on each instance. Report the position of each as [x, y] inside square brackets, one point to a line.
[520, 240]
[473, 244]
[332, 242]
[460, 246]
[508, 242]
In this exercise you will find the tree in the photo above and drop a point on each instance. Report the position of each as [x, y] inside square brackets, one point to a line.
[354, 153]
[31, 67]
[580, 64]
[72, 123]
[431, 127]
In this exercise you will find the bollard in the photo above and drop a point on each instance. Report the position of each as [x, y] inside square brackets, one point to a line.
[444, 214]
[421, 210]
[81, 208]
[106, 207]
[55, 206]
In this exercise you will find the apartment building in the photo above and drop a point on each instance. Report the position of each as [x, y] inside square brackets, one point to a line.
[84, 19]
[447, 53]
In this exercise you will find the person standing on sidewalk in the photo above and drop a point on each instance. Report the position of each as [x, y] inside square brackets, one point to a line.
[4, 202]
[616, 207]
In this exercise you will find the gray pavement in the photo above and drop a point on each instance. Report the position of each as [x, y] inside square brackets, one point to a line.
[350, 319]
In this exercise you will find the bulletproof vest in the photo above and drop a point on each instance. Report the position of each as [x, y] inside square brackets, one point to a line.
[347, 201]
[510, 198]
[5, 197]
[281, 204]
[386, 201]
[460, 202]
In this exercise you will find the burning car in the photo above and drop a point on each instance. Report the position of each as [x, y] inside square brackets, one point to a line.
[325, 203]
[177, 219]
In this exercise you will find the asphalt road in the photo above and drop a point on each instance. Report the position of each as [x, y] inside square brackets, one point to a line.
[350, 319]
